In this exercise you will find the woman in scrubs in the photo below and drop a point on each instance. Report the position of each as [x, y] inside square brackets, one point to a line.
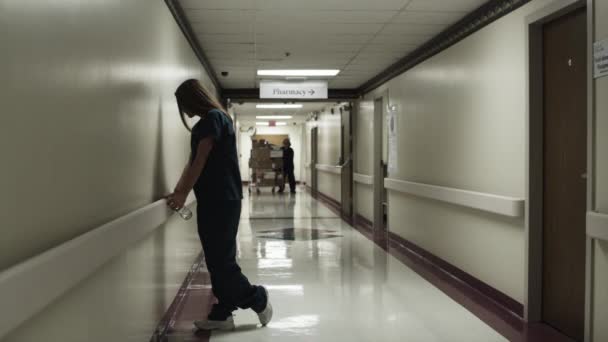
[213, 173]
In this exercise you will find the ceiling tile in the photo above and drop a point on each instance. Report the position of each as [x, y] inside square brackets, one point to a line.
[440, 18]
[214, 28]
[302, 28]
[217, 4]
[324, 16]
[222, 38]
[343, 5]
[401, 39]
[413, 29]
[360, 37]
[445, 6]
[399, 49]
[220, 16]
[231, 48]
[328, 38]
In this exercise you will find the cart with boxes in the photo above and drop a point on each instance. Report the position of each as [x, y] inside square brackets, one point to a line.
[265, 166]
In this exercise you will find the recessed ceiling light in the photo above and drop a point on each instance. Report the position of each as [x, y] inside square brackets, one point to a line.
[261, 123]
[274, 117]
[277, 106]
[281, 123]
[297, 72]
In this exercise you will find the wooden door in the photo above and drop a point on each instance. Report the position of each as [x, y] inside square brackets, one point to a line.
[347, 165]
[313, 160]
[564, 164]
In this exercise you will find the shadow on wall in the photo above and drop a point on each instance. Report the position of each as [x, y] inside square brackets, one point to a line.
[159, 183]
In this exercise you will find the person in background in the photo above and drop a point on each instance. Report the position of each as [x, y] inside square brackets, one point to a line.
[288, 166]
[213, 173]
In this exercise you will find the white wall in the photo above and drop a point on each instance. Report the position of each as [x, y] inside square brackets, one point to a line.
[461, 124]
[329, 147]
[125, 299]
[600, 305]
[89, 129]
[308, 163]
[295, 135]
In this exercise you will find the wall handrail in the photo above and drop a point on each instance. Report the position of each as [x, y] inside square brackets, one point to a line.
[329, 168]
[64, 266]
[597, 225]
[502, 205]
[363, 179]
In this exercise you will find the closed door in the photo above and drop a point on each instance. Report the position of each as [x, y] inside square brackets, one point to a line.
[379, 167]
[347, 165]
[313, 159]
[564, 193]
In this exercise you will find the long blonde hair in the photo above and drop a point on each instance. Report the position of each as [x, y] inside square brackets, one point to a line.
[194, 98]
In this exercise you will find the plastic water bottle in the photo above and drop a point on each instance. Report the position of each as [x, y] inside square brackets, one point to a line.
[185, 213]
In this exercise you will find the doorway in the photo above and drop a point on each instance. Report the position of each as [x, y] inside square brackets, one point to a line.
[558, 169]
[380, 167]
[314, 133]
[564, 172]
[347, 161]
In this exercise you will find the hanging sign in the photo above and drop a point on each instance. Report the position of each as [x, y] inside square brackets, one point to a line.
[293, 90]
[600, 58]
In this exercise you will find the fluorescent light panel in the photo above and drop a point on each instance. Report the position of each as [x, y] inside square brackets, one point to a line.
[278, 106]
[298, 72]
[274, 117]
[266, 123]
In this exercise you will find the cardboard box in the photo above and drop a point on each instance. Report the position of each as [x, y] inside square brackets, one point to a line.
[276, 154]
[259, 143]
[260, 164]
[260, 153]
[277, 164]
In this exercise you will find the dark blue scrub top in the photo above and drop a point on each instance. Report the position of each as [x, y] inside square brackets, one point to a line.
[221, 177]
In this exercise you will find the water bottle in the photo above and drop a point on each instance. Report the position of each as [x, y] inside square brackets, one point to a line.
[185, 213]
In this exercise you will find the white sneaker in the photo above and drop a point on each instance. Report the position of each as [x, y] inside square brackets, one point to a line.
[227, 324]
[266, 315]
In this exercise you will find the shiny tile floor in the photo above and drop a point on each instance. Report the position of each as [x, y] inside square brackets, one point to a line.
[330, 283]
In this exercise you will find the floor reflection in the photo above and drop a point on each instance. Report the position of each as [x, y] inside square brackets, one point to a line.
[330, 283]
[301, 234]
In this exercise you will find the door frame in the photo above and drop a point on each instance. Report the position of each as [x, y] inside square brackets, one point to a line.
[534, 159]
[314, 156]
[347, 168]
[378, 167]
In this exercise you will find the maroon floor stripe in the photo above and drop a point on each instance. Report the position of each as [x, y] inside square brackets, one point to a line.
[494, 315]
[192, 302]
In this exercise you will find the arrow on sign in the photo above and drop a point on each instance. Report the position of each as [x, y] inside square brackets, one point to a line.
[311, 92]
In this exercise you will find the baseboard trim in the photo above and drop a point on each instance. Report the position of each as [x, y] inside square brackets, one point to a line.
[168, 320]
[364, 223]
[365, 227]
[333, 205]
[492, 306]
[61, 268]
[432, 260]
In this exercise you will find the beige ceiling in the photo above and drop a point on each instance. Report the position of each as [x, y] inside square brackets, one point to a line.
[247, 111]
[359, 37]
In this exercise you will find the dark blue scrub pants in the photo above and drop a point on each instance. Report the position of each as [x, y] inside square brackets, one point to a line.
[218, 224]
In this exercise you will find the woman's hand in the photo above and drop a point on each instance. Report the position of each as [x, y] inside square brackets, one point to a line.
[176, 200]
